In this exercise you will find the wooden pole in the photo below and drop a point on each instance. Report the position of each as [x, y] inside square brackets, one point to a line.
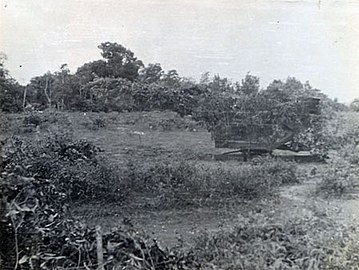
[99, 248]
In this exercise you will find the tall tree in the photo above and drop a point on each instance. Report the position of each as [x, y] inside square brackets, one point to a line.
[121, 62]
[89, 71]
[220, 85]
[11, 93]
[40, 90]
[171, 79]
[151, 74]
[250, 85]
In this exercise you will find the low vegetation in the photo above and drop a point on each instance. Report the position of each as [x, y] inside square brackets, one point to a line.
[179, 184]
[37, 184]
[341, 177]
[259, 242]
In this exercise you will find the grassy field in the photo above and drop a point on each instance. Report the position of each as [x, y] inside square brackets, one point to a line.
[210, 212]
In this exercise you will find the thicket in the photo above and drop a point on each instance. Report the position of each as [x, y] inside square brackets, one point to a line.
[185, 184]
[37, 184]
[342, 175]
[72, 167]
[260, 242]
[340, 178]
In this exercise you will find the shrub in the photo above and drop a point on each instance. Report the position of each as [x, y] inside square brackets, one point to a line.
[94, 121]
[73, 167]
[339, 178]
[5, 122]
[350, 153]
[259, 242]
[284, 172]
[99, 122]
[32, 119]
[170, 184]
[46, 120]
[186, 183]
[260, 179]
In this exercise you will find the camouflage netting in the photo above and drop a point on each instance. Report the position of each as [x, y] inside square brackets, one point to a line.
[267, 125]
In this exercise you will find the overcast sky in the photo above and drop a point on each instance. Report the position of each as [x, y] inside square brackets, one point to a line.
[310, 40]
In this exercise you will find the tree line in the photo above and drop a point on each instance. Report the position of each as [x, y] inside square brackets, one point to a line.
[121, 82]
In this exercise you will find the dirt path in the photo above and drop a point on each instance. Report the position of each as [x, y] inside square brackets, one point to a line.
[302, 198]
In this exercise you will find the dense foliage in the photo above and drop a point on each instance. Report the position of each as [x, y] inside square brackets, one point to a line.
[260, 242]
[36, 230]
[341, 176]
[121, 82]
[182, 184]
[11, 93]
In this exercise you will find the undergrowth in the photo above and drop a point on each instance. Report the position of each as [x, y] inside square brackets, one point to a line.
[340, 178]
[342, 174]
[183, 183]
[46, 119]
[259, 242]
[37, 183]
[71, 166]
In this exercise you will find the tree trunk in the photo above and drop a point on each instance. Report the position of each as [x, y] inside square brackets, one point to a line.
[46, 93]
[24, 99]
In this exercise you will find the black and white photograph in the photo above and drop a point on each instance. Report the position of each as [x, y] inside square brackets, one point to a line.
[179, 134]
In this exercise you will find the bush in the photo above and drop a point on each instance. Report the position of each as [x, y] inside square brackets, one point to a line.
[5, 122]
[339, 178]
[350, 153]
[170, 184]
[259, 179]
[186, 183]
[94, 122]
[33, 119]
[259, 242]
[73, 167]
[285, 172]
[46, 120]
